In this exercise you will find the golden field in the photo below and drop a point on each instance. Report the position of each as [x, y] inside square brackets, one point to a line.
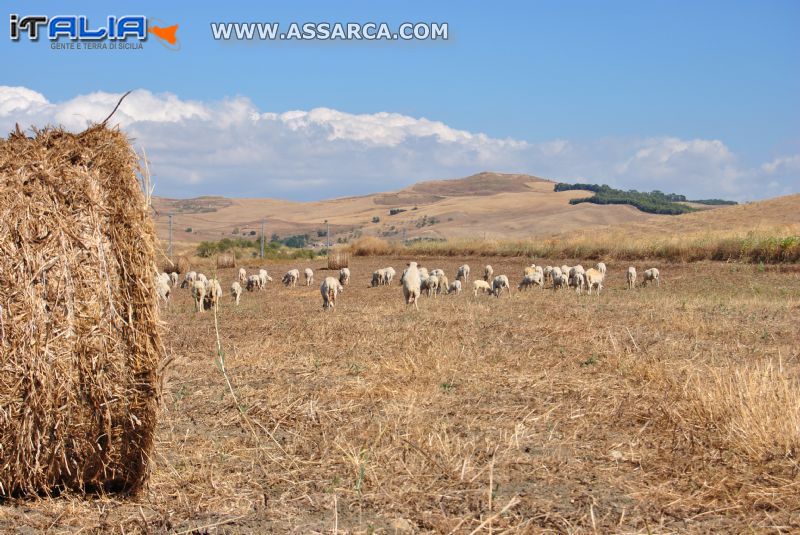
[654, 410]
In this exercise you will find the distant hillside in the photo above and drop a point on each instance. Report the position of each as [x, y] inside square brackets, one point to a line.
[490, 205]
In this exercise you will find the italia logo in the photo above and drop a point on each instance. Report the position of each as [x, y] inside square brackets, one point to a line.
[78, 28]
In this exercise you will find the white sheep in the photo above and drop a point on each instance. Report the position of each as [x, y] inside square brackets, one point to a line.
[487, 272]
[199, 295]
[480, 286]
[329, 289]
[308, 273]
[594, 279]
[389, 274]
[411, 284]
[651, 275]
[463, 273]
[291, 277]
[423, 273]
[213, 294]
[437, 272]
[173, 277]
[534, 279]
[565, 270]
[163, 278]
[162, 290]
[577, 270]
[188, 279]
[253, 282]
[498, 283]
[560, 280]
[263, 278]
[344, 276]
[548, 273]
[631, 275]
[443, 285]
[236, 291]
[528, 270]
[577, 281]
[378, 277]
[202, 278]
[455, 287]
[242, 276]
[601, 267]
[429, 285]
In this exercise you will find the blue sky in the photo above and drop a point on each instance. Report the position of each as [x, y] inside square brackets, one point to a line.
[710, 88]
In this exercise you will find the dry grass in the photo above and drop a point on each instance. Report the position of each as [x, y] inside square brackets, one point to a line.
[777, 245]
[640, 411]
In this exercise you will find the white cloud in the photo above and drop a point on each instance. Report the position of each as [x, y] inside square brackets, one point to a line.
[230, 147]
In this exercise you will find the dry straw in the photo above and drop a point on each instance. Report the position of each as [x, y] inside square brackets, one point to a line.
[226, 260]
[80, 344]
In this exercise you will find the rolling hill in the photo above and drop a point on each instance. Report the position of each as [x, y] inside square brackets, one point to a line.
[490, 205]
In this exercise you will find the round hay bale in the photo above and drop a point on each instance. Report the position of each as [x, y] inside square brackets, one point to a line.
[226, 261]
[183, 264]
[180, 265]
[79, 339]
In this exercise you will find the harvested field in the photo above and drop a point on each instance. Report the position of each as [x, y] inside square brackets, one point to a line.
[660, 409]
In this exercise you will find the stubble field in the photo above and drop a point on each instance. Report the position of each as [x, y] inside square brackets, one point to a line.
[655, 410]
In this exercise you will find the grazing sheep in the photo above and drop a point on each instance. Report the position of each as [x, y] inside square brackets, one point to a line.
[455, 287]
[577, 270]
[498, 283]
[594, 279]
[411, 285]
[388, 275]
[437, 272]
[213, 294]
[162, 290]
[443, 285]
[577, 281]
[308, 273]
[202, 278]
[651, 275]
[463, 273]
[631, 277]
[487, 272]
[291, 277]
[344, 276]
[329, 289]
[423, 273]
[378, 277]
[528, 270]
[173, 277]
[560, 280]
[263, 278]
[236, 292]
[430, 285]
[601, 267]
[482, 286]
[253, 282]
[162, 278]
[548, 273]
[565, 270]
[242, 276]
[199, 295]
[189, 279]
[534, 279]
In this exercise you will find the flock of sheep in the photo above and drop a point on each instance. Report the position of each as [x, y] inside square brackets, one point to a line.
[416, 281]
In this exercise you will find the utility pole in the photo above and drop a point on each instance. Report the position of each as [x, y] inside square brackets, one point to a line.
[169, 252]
[327, 233]
[262, 238]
